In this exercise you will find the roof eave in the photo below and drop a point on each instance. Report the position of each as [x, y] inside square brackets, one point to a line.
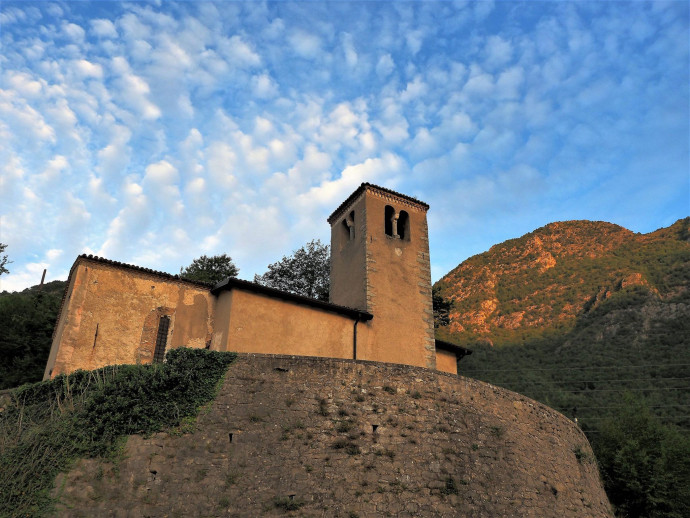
[232, 283]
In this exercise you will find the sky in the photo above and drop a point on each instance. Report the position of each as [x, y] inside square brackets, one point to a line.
[156, 132]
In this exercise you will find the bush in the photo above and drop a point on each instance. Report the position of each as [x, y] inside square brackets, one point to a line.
[52, 423]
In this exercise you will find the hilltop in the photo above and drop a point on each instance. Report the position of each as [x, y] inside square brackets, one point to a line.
[541, 283]
[289, 435]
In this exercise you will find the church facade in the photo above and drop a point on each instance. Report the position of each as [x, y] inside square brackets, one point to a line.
[380, 306]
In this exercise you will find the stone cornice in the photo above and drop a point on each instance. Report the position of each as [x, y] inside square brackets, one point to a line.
[381, 192]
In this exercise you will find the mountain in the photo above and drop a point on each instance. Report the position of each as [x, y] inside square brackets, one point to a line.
[541, 283]
[593, 320]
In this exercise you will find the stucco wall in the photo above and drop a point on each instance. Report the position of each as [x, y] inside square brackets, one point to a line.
[398, 288]
[446, 361]
[252, 322]
[110, 316]
[348, 259]
[443, 446]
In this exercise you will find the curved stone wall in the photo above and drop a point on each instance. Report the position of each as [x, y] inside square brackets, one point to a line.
[325, 437]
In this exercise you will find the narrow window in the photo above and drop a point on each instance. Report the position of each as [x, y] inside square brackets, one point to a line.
[161, 339]
[345, 234]
[404, 225]
[351, 226]
[389, 215]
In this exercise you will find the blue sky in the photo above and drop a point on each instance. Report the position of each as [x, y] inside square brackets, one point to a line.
[153, 133]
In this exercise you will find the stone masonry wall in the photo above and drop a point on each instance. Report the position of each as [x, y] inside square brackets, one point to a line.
[345, 438]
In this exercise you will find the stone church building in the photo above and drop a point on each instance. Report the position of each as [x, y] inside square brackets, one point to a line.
[380, 306]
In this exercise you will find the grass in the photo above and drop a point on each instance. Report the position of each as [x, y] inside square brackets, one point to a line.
[345, 444]
[450, 487]
[287, 503]
[343, 426]
[88, 413]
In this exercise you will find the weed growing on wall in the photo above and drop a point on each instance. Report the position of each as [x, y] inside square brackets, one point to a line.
[51, 424]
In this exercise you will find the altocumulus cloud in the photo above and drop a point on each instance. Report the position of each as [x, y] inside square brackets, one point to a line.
[154, 133]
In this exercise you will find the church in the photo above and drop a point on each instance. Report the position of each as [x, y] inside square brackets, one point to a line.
[379, 308]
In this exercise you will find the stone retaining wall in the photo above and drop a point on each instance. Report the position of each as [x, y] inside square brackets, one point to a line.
[345, 438]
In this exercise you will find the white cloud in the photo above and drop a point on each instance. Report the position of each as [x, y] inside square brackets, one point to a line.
[264, 86]
[103, 28]
[73, 32]
[87, 69]
[414, 89]
[349, 49]
[498, 52]
[131, 223]
[480, 84]
[53, 254]
[385, 66]
[305, 44]
[238, 52]
[161, 173]
[26, 121]
[64, 120]
[12, 15]
[53, 170]
[196, 187]
[375, 170]
[114, 158]
[414, 40]
[220, 164]
[185, 106]
[313, 166]
[133, 28]
[28, 275]
[24, 83]
[392, 124]
[509, 83]
[134, 90]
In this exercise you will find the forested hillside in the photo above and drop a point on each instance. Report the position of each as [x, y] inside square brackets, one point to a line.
[594, 321]
[27, 319]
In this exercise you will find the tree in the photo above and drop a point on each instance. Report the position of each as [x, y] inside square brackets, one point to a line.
[305, 272]
[210, 269]
[3, 259]
[441, 308]
[645, 464]
[27, 320]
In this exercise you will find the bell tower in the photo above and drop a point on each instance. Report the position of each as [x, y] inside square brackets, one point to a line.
[380, 264]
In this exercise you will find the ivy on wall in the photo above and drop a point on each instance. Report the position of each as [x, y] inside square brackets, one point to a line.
[46, 426]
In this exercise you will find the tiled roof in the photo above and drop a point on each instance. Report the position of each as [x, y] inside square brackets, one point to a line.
[447, 346]
[231, 283]
[336, 213]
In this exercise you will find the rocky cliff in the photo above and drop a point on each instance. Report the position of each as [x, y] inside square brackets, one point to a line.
[322, 437]
[540, 283]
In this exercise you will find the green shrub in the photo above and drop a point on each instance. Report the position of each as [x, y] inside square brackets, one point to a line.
[451, 487]
[287, 504]
[52, 423]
